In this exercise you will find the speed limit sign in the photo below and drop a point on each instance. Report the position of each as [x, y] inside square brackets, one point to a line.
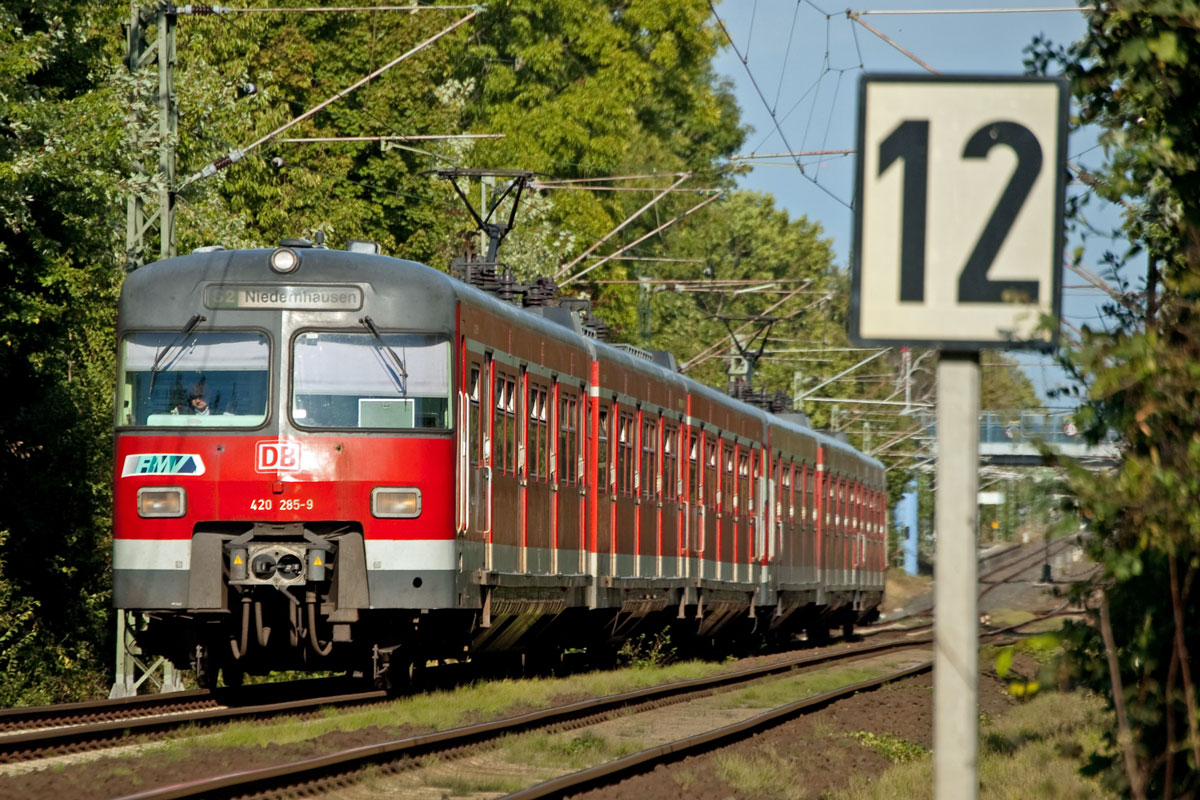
[960, 196]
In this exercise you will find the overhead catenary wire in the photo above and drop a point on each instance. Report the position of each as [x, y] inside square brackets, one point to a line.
[800, 154]
[855, 16]
[847, 371]
[237, 154]
[552, 187]
[205, 9]
[912, 404]
[566, 268]
[643, 176]
[383, 139]
[642, 238]
[707, 352]
[655, 258]
[770, 111]
[898, 12]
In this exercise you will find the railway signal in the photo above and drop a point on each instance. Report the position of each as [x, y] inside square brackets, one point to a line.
[958, 242]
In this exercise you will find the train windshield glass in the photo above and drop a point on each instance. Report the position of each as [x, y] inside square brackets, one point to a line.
[360, 380]
[205, 379]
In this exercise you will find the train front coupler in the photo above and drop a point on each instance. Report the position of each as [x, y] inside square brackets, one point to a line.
[278, 555]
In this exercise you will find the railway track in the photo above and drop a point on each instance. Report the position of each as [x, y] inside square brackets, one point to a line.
[1004, 573]
[326, 771]
[46, 731]
[331, 770]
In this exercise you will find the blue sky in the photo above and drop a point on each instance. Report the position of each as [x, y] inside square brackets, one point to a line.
[806, 58]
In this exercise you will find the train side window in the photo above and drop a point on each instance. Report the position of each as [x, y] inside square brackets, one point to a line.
[568, 439]
[693, 469]
[474, 422]
[670, 470]
[729, 481]
[648, 480]
[538, 438]
[785, 484]
[602, 454]
[791, 471]
[744, 504]
[625, 454]
[505, 425]
[711, 471]
[830, 496]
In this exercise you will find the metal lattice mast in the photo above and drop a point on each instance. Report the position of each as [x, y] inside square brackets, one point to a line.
[150, 209]
[153, 124]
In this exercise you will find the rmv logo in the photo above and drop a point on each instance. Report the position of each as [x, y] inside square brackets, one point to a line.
[277, 457]
[163, 464]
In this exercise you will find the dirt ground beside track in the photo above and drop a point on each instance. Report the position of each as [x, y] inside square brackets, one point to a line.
[819, 749]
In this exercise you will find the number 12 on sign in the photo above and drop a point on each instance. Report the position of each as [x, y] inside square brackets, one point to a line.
[960, 201]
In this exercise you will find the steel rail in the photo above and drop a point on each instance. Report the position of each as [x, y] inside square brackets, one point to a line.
[1020, 564]
[25, 716]
[38, 743]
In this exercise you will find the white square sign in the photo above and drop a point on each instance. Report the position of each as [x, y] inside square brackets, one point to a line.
[960, 198]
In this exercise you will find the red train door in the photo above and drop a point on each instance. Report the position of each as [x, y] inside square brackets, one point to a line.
[538, 505]
[647, 505]
[670, 507]
[507, 534]
[568, 478]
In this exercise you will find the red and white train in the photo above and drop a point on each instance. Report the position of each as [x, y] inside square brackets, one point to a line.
[331, 459]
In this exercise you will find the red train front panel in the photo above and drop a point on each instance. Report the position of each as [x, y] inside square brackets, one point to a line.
[227, 480]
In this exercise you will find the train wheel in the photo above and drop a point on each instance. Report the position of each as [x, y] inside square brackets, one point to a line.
[233, 676]
[543, 662]
[405, 674]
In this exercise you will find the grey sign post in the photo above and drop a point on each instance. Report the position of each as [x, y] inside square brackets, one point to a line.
[957, 246]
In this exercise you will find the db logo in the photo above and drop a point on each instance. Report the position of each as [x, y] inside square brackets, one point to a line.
[277, 457]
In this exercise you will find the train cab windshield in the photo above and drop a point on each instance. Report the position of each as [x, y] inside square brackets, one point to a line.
[206, 379]
[371, 380]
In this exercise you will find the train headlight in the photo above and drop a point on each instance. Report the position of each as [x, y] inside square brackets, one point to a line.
[161, 501]
[396, 502]
[285, 260]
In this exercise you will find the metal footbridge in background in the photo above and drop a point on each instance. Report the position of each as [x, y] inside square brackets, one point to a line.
[1007, 438]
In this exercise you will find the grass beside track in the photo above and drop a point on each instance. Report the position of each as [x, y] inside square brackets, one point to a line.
[438, 710]
[1035, 750]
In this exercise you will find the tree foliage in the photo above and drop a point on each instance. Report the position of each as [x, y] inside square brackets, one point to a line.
[1135, 76]
[60, 157]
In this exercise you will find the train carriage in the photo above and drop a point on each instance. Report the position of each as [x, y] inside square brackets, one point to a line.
[338, 460]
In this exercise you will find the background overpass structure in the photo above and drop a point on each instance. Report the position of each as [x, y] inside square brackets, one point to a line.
[1007, 438]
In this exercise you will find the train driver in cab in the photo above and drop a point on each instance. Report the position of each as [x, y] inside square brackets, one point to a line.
[200, 401]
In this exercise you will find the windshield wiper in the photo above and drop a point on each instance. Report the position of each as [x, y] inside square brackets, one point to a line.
[183, 332]
[370, 325]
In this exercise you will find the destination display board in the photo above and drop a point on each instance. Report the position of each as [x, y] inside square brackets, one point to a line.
[298, 297]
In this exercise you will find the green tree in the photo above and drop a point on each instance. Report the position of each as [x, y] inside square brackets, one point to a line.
[1135, 75]
[1004, 387]
[61, 121]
